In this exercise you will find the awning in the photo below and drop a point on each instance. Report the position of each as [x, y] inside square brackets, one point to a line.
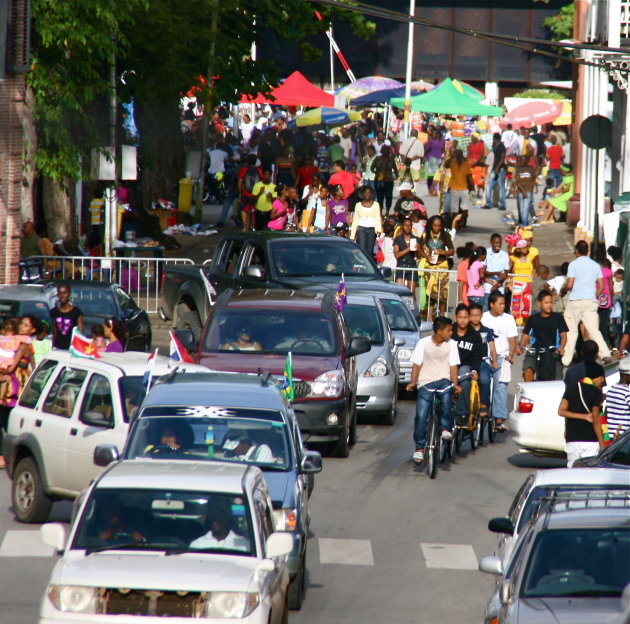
[296, 90]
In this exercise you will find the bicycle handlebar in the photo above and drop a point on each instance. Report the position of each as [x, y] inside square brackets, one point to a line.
[536, 350]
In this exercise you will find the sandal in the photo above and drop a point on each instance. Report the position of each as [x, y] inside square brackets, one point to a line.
[418, 456]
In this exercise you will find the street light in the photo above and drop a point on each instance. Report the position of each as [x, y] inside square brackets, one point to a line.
[412, 13]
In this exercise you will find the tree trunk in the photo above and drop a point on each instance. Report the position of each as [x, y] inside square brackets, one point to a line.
[29, 147]
[59, 211]
[161, 152]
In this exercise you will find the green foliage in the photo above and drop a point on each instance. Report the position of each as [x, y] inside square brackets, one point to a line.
[561, 24]
[540, 93]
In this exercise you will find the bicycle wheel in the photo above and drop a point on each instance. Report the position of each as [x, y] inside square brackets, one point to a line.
[458, 439]
[490, 422]
[475, 408]
[431, 450]
[443, 445]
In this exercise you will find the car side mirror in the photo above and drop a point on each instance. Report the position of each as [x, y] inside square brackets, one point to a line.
[53, 534]
[96, 418]
[399, 342]
[505, 592]
[501, 525]
[311, 462]
[187, 338]
[386, 272]
[278, 544]
[105, 454]
[255, 270]
[426, 327]
[358, 345]
[491, 564]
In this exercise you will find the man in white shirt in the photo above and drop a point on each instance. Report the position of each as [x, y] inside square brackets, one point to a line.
[505, 332]
[508, 137]
[523, 144]
[220, 536]
[247, 127]
[346, 143]
[435, 361]
[497, 265]
[413, 150]
[585, 284]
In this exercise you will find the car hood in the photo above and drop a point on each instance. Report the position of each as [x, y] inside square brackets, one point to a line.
[353, 284]
[155, 570]
[279, 485]
[567, 610]
[305, 367]
[365, 360]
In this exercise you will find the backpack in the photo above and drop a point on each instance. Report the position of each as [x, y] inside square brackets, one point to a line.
[252, 176]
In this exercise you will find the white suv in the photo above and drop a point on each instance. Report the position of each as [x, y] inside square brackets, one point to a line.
[180, 539]
[68, 407]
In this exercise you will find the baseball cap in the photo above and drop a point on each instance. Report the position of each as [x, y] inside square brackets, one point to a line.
[405, 186]
[624, 365]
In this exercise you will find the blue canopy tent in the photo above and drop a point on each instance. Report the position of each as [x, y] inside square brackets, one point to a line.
[380, 97]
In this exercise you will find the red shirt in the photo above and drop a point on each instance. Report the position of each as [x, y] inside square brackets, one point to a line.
[243, 173]
[475, 151]
[306, 174]
[346, 179]
[554, 155]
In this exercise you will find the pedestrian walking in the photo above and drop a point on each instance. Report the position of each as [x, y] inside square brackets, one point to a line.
[497, 267]
[618, 401]
[366, 221]
[65, 316]
[497, 173]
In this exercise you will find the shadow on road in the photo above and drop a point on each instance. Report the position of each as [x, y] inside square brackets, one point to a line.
[529, 460]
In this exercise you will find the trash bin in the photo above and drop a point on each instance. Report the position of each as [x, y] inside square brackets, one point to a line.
[184, 200]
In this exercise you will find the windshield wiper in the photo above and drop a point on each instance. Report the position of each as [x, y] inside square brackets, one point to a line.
[125, 546]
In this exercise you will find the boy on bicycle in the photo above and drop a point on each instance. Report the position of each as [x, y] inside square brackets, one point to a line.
[470, 347]
[435, 361]
[548, 331]
[489, 355]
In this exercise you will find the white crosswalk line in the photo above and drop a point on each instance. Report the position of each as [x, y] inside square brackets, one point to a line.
[449, 556]
[24, 544]
[345, 551]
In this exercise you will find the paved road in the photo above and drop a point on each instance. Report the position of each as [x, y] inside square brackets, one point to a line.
[388, 544]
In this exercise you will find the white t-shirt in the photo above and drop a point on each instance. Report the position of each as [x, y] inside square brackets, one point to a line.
[585, 272]
[410, 148]
[217, 160]
[504, 327]
[435, 360]
[495, 263]
[557, 283]
[388, 252]
[346, 143]
[232, 541]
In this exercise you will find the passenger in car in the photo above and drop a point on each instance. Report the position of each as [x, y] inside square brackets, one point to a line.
[220, 533]
[243, 448]
[243, 342]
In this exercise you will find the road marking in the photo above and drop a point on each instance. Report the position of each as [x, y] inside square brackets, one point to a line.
[345, 551]
[449, 556]
[24, 544]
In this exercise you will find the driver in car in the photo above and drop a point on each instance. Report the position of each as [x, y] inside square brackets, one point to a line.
[304, 337]
[170, 442]
[116, 529]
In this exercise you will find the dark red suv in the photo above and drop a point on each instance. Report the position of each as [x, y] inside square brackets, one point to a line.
[251, 331]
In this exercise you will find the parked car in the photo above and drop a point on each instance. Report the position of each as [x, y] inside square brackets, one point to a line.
[616, 455]
[322, 353]
[264, 260]
[21, 299]
[68, 406]
[377, 369]
[220, 412]
[184, 540]
[534, 419]
[571, 562]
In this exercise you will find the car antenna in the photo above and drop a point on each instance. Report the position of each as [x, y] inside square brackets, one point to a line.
[264, 375]
[171, 375]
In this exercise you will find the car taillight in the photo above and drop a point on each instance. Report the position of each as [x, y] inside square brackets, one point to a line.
[525, 405]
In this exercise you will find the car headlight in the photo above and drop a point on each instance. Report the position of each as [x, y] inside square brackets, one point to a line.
[231, 604]
[73, 598]
[403, 355]
[378, 369]
[286, 519]
[328, 384]
[410, 302]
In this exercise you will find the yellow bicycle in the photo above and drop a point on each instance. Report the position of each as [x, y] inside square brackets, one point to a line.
[470, 427]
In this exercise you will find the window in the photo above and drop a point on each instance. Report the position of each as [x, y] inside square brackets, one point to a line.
[233, 256]
[364, 320]
[98, 400]
[398, 315]
[254, 256]
[622, 454]
[36, 383]
[263, 515]
[126, 303]
[64, 392]
[519, 500]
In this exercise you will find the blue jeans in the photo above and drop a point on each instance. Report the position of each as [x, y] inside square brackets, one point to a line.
[230, 196]
[369, 183]
[463, 400]
[493, 180]
[485, 373]
[525, 204]
[474, 299]
[499, 395]
[556, 176]
[446, 203]
[423, 406]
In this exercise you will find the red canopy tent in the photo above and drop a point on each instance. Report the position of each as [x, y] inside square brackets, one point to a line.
[296, 90]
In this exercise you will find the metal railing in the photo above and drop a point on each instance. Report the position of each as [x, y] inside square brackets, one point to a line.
[139, 276]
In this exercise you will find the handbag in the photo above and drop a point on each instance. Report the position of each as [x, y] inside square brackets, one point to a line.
[603, 300]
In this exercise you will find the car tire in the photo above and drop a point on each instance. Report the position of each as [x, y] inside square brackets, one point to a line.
[298, 586]
[190, 320]
[392, 414]
[341, 448]
[30, 503]
[352, 440]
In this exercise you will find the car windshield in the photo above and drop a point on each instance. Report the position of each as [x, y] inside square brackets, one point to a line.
[364, 320]
[398, 315]
[251, 436]
[578, 562]
[321, 257]
[171, 520]
[10, 308]
[621, 453]
[94, 301]
[274, 331]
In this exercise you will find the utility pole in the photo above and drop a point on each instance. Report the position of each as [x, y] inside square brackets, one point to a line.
[111, 197]
[207, 107]
[407, 126]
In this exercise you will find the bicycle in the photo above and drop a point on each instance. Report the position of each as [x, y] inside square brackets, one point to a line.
[538, 352]
[471, 426]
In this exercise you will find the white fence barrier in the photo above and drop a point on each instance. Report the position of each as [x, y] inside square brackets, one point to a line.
[141, 277]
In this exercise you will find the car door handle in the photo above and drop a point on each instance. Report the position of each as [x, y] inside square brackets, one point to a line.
[74, 432]
[38, 423]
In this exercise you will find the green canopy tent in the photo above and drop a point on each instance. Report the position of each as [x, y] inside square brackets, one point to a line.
[450, 97]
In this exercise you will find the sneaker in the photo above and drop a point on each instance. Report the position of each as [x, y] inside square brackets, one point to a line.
[486, 207]
[501, 207]
[447, 435]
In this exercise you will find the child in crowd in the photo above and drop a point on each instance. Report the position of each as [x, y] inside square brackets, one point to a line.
[98, 338]
[337, 211]
[43, 343]
[386, 243]
[10, 342]
[556, 286]
[463, 253]
[475, 275]
[617, 285]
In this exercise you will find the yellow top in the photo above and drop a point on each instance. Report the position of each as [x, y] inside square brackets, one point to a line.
[366, 216]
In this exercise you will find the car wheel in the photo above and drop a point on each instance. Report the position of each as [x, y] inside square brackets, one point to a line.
[352, 440]
[341, 448]
[391, 415]
[190, 320]
[30, 503]
[297, 587]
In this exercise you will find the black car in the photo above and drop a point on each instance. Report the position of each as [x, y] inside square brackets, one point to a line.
[615, 455]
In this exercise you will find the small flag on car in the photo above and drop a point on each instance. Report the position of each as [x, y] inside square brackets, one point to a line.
[340, 296]
[177, 351]
[287, 379]
[146, 378]
[82, 346]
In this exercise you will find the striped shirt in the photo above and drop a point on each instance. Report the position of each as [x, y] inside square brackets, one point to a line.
[618, 409]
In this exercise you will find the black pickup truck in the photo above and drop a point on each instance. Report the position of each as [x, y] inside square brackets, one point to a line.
[291, 261]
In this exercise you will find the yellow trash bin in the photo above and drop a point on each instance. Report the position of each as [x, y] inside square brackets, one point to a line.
[184, 200]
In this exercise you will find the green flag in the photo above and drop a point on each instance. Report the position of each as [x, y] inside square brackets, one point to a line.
[287, 381]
